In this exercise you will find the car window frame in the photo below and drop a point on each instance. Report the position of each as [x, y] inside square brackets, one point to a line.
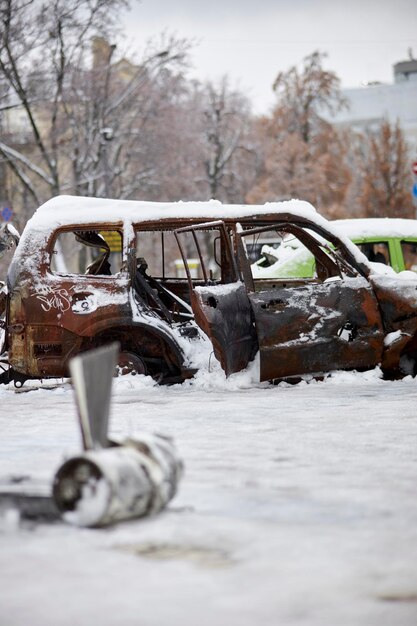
[310, 243]
[124, 267]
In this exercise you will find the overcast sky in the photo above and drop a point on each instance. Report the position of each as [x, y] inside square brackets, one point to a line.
[252, 40]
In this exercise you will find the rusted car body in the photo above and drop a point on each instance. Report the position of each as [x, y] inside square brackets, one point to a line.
[344, 317]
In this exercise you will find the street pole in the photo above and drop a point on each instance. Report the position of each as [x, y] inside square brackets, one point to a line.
[106, 137]
[107, 132]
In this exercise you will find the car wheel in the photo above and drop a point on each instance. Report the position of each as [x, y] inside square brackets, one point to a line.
[130, 363]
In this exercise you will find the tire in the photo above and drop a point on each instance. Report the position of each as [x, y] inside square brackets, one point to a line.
[130, 363]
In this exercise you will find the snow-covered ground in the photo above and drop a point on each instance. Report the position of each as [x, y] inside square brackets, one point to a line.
[298, 506]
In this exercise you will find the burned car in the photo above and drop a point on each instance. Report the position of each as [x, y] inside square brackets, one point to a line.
[173, 282]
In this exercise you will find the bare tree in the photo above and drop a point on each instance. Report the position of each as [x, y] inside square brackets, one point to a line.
[121, 119]
[167, 146]
[302, 95]
[303, 156]
[227, 142]
[38, 45]
[84, 114]
[384, 173]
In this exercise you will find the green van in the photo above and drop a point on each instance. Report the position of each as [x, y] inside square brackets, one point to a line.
[387, 241]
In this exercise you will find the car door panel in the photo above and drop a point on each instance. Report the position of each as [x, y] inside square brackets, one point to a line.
[317, 327]
[224, 313]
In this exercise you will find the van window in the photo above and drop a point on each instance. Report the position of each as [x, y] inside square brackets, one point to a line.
[92, 252]
[376, 252]
[409, 250]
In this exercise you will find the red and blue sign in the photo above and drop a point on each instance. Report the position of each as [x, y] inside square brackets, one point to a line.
[6, 214]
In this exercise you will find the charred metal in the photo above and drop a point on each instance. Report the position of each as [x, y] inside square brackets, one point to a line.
[76, 286]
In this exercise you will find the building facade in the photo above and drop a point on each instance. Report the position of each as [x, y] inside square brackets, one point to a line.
[370, 104]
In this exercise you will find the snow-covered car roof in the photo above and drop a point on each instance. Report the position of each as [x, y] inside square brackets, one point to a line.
[68, 210]
[365, 228]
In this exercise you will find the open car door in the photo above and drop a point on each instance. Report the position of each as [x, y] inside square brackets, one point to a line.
[218, 296]
[312, 325]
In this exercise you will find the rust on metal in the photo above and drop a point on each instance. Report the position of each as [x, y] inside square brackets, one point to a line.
[343, 317]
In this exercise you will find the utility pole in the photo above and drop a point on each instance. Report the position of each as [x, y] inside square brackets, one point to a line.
[106, 132]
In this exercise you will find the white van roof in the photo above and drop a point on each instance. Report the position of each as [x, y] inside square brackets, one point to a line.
[365, 228]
